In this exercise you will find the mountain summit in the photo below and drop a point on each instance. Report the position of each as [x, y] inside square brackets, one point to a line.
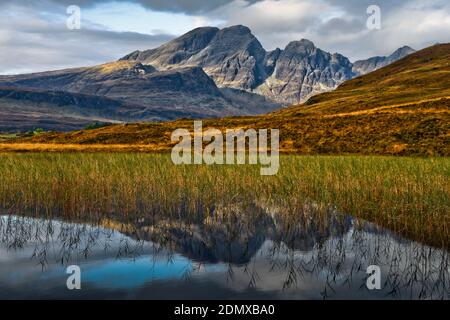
[233, 56]
[302, 70]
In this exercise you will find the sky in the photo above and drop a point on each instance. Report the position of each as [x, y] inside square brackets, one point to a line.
[34, 35]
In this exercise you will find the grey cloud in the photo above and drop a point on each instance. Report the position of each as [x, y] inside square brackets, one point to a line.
[342, 26]
[185, 6]
[359, 7]
[190, 6]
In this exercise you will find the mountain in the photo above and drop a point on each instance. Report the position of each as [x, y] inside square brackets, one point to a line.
[118, 91]
[401, 109]
[207, 72]
[28, 109]
[177, 50]
[361, 67]
[302, 70]
[234, 58]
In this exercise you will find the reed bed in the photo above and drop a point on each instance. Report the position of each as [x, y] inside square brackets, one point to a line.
[410, 196]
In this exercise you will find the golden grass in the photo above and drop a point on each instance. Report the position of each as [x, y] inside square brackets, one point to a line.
[45, 147]
[408, 195]
[422, 130]
[112, 67]
[398, 108]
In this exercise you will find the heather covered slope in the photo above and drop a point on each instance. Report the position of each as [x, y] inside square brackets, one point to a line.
[401, 109]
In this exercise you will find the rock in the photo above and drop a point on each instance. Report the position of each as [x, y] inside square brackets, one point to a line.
[303, 70]
[176, 51]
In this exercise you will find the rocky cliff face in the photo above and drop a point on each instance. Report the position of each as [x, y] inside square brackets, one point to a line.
[232, 57]
[302, 70]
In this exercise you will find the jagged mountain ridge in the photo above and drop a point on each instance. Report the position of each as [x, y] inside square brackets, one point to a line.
[302, 70]
[233, 57]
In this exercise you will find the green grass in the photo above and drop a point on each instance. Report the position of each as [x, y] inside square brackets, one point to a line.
[4, 136]
[408, 195]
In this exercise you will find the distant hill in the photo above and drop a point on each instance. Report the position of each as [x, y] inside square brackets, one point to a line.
[401, 109]
[207, 72]
[119, 91]
[361, 67]
[24, 110]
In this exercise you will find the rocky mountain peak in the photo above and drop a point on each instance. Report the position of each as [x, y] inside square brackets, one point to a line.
[238, 29]
[234, 39]
[302, 47]
[196, 39]
[401, 53]
[302, 70]
[233, 58]
[177, 50]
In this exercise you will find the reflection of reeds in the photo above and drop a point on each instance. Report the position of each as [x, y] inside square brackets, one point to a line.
[408, 195]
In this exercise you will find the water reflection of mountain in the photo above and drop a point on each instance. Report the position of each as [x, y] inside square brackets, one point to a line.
[263, 246]
[234, 235]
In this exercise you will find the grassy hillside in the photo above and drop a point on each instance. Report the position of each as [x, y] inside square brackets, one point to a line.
[422, 76]
[402, 109]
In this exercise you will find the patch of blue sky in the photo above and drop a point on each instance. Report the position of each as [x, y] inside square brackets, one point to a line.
[132, 17]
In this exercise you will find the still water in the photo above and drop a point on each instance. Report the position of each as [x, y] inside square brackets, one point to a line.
[262, 257]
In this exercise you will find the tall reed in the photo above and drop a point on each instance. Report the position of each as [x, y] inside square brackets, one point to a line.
[408, 195]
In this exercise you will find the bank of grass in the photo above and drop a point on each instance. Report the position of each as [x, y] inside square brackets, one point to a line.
[411, 196]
